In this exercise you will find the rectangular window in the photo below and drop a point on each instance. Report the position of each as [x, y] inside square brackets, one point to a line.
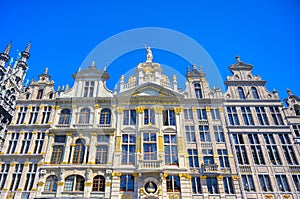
[3, 174]
[193, 158]
[101, 154]
[265, 183]
[223, 158]
[129, 117]
[208, 157]
[282, 183]
[149, 144]
[215, 114]
[173, 183]
[128, 149]
[17, 173]
[272, 149]
[190, 134]
[247, 116]
[219, 134]
[103, 138]
[39, 142]
[89, 89]
[34, 114]
[232, 116]
[127, 183]
[22, 115]
[46, 114]
[296, 129]
[248, 183]
[201, 113]
[149, 116]
[169, 118]
[212, 185]
[261, 115]
[170, 146]
[26, 142]
[58, 149]
[256, 150]
[198, 90]
[30, 176]
[13, 143]
[228, 185]
[287, 149]
[196, 185]
[296, 179]
[188, 114]
[204, 133]
[240, 149]
[277, 118]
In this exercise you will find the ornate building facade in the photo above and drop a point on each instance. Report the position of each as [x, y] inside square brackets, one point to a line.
[149, 139]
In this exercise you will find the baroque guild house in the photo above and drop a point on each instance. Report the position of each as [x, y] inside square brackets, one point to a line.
[151, 140]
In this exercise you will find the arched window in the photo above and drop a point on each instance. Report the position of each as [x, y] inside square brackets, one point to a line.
[40, 94]
[51, 183]
[254, 93]
[105, 116]
[84, 116]
[198, 90]
[241, 93]
[65, 116]
[99, 183]
[74, 183]
[79, 151]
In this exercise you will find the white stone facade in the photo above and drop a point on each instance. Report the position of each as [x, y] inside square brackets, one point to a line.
[149, 139]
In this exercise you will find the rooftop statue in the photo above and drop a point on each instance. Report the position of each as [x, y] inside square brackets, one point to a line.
[149, 55]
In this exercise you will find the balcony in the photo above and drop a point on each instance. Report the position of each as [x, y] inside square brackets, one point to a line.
[83, 125]
[62, 126]
[294, 169]
[150, 165]
[209, 168]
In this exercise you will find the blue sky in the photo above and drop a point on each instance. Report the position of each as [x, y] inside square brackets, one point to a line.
[263, 33]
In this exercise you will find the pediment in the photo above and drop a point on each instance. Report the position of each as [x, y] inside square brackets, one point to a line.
[150, 89]
[149, 128]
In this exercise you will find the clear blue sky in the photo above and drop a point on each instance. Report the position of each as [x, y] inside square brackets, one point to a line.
[264, 33]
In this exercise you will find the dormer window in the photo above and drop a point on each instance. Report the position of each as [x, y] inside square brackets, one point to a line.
[198, 90]
[40, 94]
[241, 93]
[51, 95]
[89, 89]
[254, 93]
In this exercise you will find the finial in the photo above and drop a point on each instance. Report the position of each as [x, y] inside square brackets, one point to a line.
[93, 63]
[188, 69]
[238, 58]
[7, 49]
[194, 66]
[122, 77]
[46, 71]
[200, 69]
[289, 92]
[174, 77]
[104, 68]
[28, 47]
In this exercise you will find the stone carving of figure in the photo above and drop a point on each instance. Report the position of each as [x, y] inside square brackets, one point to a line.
[148, 54]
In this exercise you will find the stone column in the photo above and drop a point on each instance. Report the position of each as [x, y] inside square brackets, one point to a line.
[49, 150]
[185, 184]
[180, 143]
[92, 151]
[23, 178]
[19, 143]
[32, 143]
[204, 186]
[115, 188]
[67, 148]
[220, 185]
[111, 148]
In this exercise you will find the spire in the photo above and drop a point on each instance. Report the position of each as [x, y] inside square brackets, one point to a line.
[4, 56]
[7, 49]
[238, 58]
[25, 53]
